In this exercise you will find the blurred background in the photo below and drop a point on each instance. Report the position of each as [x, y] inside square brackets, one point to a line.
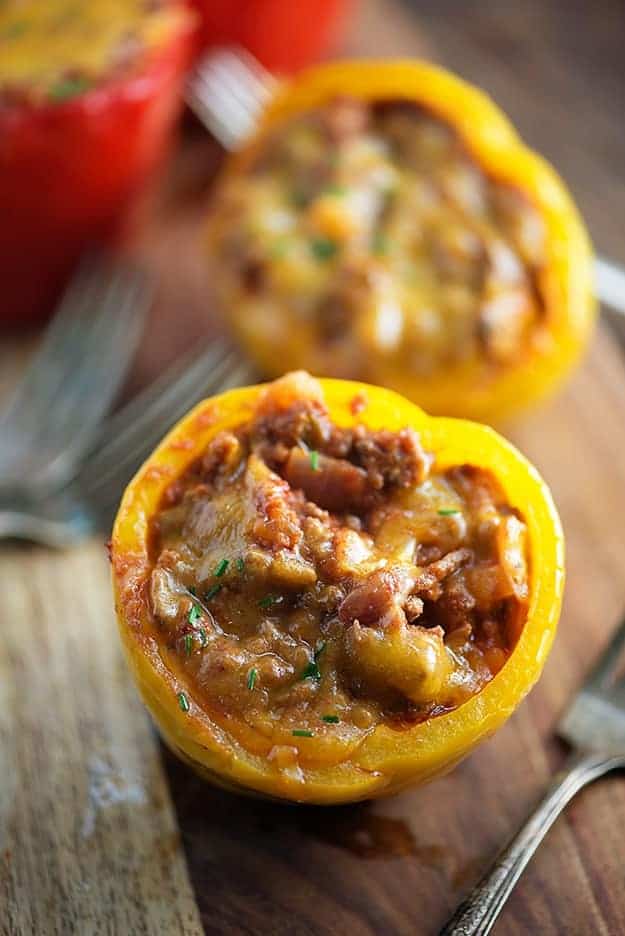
[93, 813]
[554, 67]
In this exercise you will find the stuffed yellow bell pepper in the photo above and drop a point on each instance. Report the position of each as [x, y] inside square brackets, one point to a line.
[386, 223]
[326, 595]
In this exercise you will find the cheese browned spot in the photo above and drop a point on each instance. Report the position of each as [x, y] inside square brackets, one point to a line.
[367, 231]
[53, 50]
[331, 594]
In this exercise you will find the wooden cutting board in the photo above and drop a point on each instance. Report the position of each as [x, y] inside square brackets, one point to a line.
[102, 832]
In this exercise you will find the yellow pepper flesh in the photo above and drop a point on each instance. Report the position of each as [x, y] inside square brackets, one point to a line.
[564, 282]
[388, 759]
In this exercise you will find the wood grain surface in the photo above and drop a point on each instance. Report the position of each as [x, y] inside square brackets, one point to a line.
[102, 831]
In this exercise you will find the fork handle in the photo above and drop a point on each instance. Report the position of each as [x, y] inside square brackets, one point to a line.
[476, 915]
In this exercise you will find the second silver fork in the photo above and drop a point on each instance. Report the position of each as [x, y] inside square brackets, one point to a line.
[56, 410]
[594, 727]
[86, 504]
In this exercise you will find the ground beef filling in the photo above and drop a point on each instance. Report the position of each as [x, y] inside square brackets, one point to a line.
[366, 231]
[311, 580]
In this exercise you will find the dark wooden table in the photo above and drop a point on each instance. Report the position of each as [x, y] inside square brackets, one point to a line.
[104, 832]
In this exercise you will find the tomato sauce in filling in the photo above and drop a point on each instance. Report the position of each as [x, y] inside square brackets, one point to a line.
[309, 580]
[367, 230]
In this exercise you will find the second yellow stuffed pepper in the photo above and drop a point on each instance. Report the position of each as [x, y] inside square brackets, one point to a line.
[387, 223]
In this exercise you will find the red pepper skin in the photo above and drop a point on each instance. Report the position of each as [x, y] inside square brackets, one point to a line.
[69, 171]
[283, 35]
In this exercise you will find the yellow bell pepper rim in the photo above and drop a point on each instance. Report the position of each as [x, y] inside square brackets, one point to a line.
[388, 759]
[565, 281]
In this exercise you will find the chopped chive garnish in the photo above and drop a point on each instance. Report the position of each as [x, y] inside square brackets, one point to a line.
[203, 636]
[195, 614]
[240, 565]
[68, 88]
[188, 644]
[302, 733]
[314, 460]
[221, 568]
[312, 671]
[183, 702]
[447, 511]
[193, 591]
[380, 244]
[299, 199]
[251, 678]
[331, 719]
[212, 591]
[269, 600]
[323, 248]
[279, 248]
[15, 30]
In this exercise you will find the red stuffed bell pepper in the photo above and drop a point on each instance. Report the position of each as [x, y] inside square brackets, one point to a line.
[89, 94]
[283, 36]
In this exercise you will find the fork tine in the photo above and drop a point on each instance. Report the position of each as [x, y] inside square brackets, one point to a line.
[104, 492]
[136, 429]
[43, 375]
[227, 91]
[607, 666]
[109, 301]
[103, 366]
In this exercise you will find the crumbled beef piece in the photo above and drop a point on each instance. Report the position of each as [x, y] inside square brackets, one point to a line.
[334, 484]
[345, 118]
[378, 599]
[428, 583]
[223, 455]
[390, 458]
[277, 524]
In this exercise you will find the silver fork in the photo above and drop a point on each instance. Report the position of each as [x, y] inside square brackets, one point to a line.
[228, 90]
[56, 409]
[86, 504]
[594, 727]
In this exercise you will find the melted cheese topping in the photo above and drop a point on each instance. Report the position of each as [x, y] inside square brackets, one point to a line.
[313, 581]
[366, 235]
[55, 49]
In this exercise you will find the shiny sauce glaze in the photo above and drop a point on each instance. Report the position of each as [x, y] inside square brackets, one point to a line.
[313, 581]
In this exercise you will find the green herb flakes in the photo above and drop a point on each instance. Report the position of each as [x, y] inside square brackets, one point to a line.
[302, 733]
[221, 568]
[251, 678]
[183, 702]
[188, 644]
[314, 460]
[67, 88]
[14, 30]
[240, 565]
[203, 636]
[380, 244]
[212, 591]
[299, 199]
[447, 511]
[312, 671]
[330, 719]
[279, 248]
[323, 248]
[194, 614]
[269, 600]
